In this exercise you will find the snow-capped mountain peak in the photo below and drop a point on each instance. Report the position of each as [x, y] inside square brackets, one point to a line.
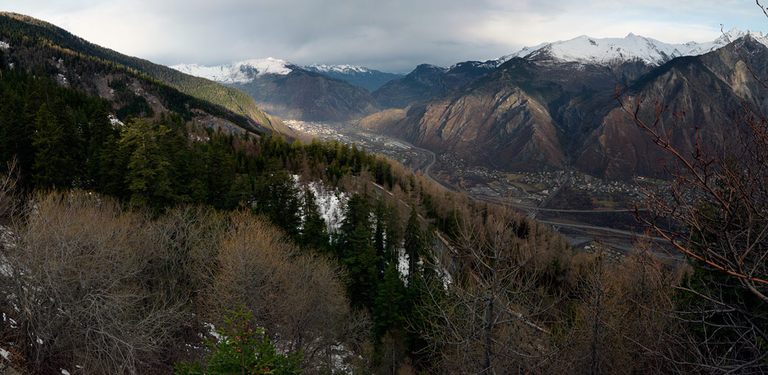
[344, 68]
[239, 72]
[604, 51]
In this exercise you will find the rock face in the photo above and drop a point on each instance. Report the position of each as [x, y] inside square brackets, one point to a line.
[705, 98]
[538, 113]
[510, 128]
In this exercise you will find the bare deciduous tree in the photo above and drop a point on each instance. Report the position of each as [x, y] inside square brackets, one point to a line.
[297, 298]
[715, 212]
[487, 320]
[75, 282]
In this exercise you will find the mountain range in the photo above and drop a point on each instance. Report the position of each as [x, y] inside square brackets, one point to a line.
[553, 106]
[314, 93]
[546, 107]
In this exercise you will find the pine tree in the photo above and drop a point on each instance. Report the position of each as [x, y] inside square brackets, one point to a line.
[414, 243]
[379, 240]
[54, 164]
[277, 197]
[313, 231]
[148, 175]
[391, 302]
[357, 252]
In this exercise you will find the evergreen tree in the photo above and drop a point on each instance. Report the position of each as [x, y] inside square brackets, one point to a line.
[277, 197]
[379, 235]
[220, 173]
[148, 175]
[54, 164]
[414, 244]
[391, 302]
[313, 231]
[357, 252]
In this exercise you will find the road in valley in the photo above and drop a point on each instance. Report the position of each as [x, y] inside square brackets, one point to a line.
[422, 161]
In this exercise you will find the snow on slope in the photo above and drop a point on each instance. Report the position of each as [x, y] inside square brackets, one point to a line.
[246, 71]
[602, 51]
[239, 72]
[345, 69]
[331, 203]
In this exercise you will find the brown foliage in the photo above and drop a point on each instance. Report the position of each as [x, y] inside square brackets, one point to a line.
[297, 298]
[75, 280]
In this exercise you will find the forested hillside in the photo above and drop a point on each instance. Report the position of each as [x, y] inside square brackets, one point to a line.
[140, 236]
[35, 41]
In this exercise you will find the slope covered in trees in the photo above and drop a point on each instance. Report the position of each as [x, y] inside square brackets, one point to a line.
[125, 244]
[46, 49]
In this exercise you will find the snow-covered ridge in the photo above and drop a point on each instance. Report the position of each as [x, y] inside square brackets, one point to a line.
[603, 51]
[344, 68]
[248, 70]
[239, 72]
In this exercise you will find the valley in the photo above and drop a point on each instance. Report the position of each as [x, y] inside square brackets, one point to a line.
[585, 209]
[586, 205]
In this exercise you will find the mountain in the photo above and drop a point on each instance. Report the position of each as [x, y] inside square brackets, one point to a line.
[240, 72]
[369, 79]
[38, 46]
[289, 90]
[428, 82]
[706, 98]
[545, 111]
[604, 51]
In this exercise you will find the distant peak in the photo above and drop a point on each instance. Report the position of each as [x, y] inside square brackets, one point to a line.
[606, 51]
[342, 68]
[429, 67]
[240, 72]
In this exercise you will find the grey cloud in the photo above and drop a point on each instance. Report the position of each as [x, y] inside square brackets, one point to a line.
[392, 35]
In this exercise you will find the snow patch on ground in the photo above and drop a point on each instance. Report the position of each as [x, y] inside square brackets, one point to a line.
[331, 203]
[4, 45]
[402, 265]
[212, 332]
[5, 354]
[114, 121]
[64, 372]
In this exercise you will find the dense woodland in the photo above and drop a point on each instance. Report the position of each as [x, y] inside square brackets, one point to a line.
[125, 242]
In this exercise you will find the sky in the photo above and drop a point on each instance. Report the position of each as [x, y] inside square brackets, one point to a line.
[390, 35]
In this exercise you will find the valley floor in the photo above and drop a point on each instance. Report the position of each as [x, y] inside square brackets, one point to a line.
[588, 211]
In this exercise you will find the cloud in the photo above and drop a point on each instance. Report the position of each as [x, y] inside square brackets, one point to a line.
[392, 35]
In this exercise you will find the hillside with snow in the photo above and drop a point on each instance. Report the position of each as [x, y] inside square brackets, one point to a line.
[603, 51]
[343, 68]
[239, 72]
[249, 70]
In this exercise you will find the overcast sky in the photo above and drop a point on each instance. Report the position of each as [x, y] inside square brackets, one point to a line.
[392, 35]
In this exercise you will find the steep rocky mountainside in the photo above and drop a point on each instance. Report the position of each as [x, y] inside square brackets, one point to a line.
[705, 97]
[129, 83]
[537, 112]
